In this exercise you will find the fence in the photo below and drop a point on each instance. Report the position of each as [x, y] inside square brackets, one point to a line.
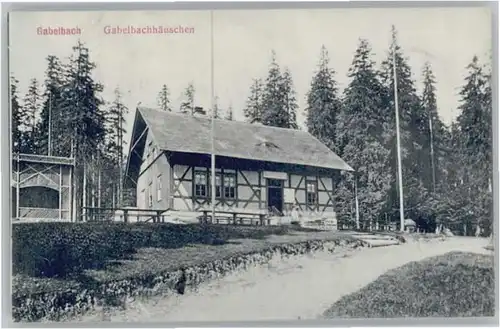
[127, 215]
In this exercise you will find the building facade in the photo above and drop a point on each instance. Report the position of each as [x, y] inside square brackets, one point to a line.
[257, 167]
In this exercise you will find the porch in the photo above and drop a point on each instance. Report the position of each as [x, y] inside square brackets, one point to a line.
[42, 188]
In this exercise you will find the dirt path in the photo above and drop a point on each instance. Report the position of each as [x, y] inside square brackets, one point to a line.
[301, 287]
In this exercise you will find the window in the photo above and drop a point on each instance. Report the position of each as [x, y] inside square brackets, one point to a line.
[149, 148]
[158, 188]
[144, 198]
[229, 186]
[311, 193]
[200, 184]
[218, 184]
[150, 195]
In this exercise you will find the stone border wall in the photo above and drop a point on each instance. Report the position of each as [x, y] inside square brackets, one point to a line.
[54, 306]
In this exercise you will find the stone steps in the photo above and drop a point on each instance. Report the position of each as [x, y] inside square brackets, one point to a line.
[376, 240]
[380, 243]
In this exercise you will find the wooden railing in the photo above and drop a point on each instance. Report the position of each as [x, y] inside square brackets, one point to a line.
[234, 217]
[126, 215]
[42, 159]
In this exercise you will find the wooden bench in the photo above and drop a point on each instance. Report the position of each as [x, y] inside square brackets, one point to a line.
[93, 214]
[233, 216]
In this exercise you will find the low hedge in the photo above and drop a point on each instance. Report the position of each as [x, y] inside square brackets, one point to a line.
[72, 301]
[66, 249]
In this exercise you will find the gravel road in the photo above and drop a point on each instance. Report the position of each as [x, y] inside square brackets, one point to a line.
[286, 289]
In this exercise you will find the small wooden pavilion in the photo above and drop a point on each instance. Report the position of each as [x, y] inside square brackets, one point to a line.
[42, 188]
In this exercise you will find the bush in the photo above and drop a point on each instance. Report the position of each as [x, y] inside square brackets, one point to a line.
[63, 249]
[452, 285]
[70, 300]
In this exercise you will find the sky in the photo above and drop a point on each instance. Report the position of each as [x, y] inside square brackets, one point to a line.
[243, 41]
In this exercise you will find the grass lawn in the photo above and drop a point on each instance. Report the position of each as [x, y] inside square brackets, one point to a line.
[452, 285]
[152, 260]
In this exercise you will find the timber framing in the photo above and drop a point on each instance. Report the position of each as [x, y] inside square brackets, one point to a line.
[241, 183]
[255, 188]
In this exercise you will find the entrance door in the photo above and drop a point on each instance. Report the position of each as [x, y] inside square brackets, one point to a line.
[275, 194]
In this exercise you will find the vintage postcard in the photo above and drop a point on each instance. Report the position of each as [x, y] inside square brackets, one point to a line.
[252, 165]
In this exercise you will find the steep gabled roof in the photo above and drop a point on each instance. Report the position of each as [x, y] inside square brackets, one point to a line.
[192, 134]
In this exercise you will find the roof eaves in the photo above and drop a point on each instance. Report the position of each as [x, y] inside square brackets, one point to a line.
[326, 147]
[153, 138]
[131, 142]
[228, 155]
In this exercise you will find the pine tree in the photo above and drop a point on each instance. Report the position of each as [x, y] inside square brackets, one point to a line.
[274, 101]
[188, 106]
[361, 136]
[116, 123]
[216, 110]
[164, 99]
[451, 199]
[83, 94]
[474, 123]
[32, 105]
[229, 113]
[85, 118]
[464, 198]
[475, 119]
[289, 99]
[16, 115]
[253, 109]
[436, 130]
[52, 128]
[323, 105]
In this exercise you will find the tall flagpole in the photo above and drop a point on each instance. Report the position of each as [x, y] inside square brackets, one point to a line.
[432, 153]
[356, 200]
[49, 146]
[213, 116]
[400, 173]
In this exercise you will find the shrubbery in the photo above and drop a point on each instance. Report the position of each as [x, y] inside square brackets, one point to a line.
[64, 303]
[62, 249]
[456, 284]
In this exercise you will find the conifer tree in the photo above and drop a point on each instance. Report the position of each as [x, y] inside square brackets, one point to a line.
[229, 113]
[16, 115]
[115, 145]
[52, 127]
[253, 109]
[323, 104]
[32, 105]
[164, 99]
[272, 114]
[84, 116]
[362, 139]
[475, 124]
[83, 95]
[278, 101]
[289, 99]
[464, 198]
[436, 130]
[216, 110]
[187, 105]
[475, 120]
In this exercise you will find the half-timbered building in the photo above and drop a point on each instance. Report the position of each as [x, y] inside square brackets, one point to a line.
[257, 167]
